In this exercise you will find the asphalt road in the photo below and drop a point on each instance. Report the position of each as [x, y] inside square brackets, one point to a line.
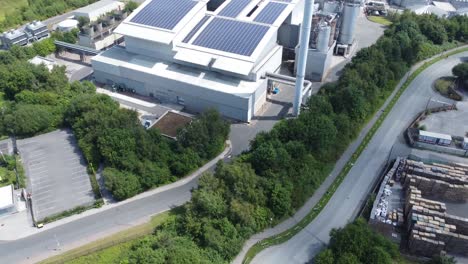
[352, 192]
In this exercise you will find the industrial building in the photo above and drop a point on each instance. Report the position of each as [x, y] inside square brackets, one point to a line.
[180, 52]
[94, 11]
[32, 32]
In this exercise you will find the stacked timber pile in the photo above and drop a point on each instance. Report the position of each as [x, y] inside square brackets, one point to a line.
[438, 180]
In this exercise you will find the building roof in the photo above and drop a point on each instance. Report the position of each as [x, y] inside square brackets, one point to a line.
[35, 25]
[6, 196]
[444, 6]
[13, 34]
[103, 4]
[239, 29]
[38, 60]
[97, 9]
[434, 135]
[428, 9]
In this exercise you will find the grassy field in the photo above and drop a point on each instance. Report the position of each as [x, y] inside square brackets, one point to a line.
[380, 19]
[109, 249]
[7, 6]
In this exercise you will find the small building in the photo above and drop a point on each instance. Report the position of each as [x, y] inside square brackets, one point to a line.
[171, 122]
[36, 30]
[7, 201]
[94, 11]
[434, 138]
[14, 37]
[38, 60]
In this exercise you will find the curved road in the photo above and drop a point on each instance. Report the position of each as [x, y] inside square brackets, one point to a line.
[353, 191]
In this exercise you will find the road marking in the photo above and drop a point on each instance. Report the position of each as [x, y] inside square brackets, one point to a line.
[43, 187]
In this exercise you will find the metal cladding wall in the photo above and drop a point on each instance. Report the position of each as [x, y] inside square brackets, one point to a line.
[350, 15]
[323, 38]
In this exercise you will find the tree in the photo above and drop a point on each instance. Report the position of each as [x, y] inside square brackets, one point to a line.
[325, 257]
[130, 6]
[123, 185]
[461, 71]
[442, 259]
[28, 120]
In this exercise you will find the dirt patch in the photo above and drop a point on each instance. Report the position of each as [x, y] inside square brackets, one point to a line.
[171, 122]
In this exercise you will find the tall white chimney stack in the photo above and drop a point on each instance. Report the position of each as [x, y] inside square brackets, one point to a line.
[303, 50]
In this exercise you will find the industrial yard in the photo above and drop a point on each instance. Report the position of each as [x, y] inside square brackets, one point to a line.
[423, 205]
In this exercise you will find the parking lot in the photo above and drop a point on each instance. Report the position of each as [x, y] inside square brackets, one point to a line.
[56, 173]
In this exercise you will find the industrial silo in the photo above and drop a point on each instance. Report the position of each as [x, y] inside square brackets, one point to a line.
[323, 37]
[348, 24]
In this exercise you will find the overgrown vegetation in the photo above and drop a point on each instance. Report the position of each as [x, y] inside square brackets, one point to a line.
[445, 86]
[357, 243]
[8, 164]
[380, 20]
[461, 72]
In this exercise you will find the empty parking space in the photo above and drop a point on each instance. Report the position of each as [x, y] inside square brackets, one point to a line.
[56, 172]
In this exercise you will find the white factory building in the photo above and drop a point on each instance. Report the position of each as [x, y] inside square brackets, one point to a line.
[177, 51]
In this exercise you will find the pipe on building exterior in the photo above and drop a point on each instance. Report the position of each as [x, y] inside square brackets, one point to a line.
[288, 80]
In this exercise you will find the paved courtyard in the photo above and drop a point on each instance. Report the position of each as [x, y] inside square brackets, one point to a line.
[56, 173]
[453, 123]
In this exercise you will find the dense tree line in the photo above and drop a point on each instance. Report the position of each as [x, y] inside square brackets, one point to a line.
[286, 165]
[37, 100]
[40, 10]
[357, 243]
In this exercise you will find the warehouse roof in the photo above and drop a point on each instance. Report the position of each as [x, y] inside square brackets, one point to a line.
[99, 5]
[6, 196]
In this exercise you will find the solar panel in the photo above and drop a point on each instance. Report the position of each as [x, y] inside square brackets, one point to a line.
[270, 13]
[231, 36]
[195, 29]
[164, 14]
[234, 8]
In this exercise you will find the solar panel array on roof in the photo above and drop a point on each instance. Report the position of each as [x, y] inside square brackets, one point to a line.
[231, 36]
[164, 14]
[270, 13]
[234, 8]
[195, 29]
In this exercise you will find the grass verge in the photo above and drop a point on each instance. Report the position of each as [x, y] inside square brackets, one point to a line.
[380, 20]
[8, 6]
[109, 249]
[77, 210]
[288, 234]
